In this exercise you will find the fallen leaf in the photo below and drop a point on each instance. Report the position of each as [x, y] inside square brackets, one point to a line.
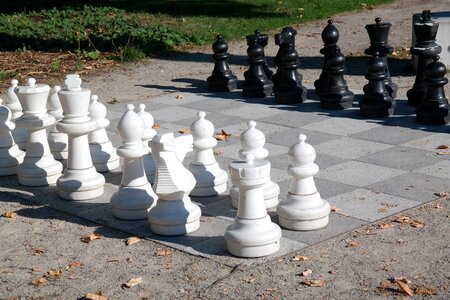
[54, 273]
[270, 290]
[251, 280]
[222, 136]
[425, 291]
[417, 223]
[443, 153]
[382, 210]
[163, 252]
[300, 258]
[9, 214]
[179, 97]
[385, 225]
[184, 130]
[113, 101]
[442, 194]
[404, 288]
[332, 272]
[90, 237]
[402, 279]
[74, 264]
[132, 282]
[96, 296]
[400, 241]
[351, 244]
[217, 152]
[438, 206]
[402, 219]
[156, 126]
[38, 251]
[313, 282]
[39, 281]
[129, 260]
[307, 272]
[442, 147]
[132, 240]
[335, 209]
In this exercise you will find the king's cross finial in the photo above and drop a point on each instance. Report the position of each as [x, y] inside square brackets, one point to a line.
[73, 82]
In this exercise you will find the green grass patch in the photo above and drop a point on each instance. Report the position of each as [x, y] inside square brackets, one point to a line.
[7, 75]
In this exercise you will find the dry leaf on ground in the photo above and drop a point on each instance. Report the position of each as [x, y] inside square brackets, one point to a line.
[179, 97]
[156, 126]
[74, 264]
[351, 244]
[425, 291]
[132, 282]
[39, 281]
[417, 223]
[300, 258]
[403, 219]
[313, 282]
[442, 147]
[222, 136]
[385, 226]
[443, 153]
[217, 152]
[184, 130]
[9, 214]
[307, 272]
[442, 194]
[96, 296]
[251, 280]
[163, 252]
[54, 273]
[404, 288]
[132, 240]
[336, 209]
[90, 237]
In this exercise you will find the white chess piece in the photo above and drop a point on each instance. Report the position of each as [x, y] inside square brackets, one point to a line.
[303, 208]
[80, 180]
[135, 196]
[252, 234]
[10, 154]
[211, 179]
[252, 141]
[149, 133]
[104, 156]
[39, 167]
[57, 140]
[174, 213]
[12, 101]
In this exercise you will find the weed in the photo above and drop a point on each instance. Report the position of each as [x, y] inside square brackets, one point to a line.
[54, 66]
[7, 75]
[131, 53]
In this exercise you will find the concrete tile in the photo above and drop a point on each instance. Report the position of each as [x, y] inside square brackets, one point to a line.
[120, 108]
[175, 100]
[414, 186]
[214, 105]
[236, 129]
[173, 113]
[292, 118]
[290, 137]
[430, 142]
[402, 158]
[440, 169]
[358, 173]
[232, 151]
[369, 205]
[217, 119]
[390, 135]
[11, 186]
[341, 126]
[251, 112]
[350, 148]
[222, 209]
[278, 175]
[337, 225]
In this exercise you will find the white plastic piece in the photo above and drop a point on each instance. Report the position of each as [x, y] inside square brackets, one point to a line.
[12, 101]
[57, 140]
[39, 167]
[10, 154]
[211, 179]
[135, 196]
[253, 234]
[80, 180]
[303, 208]
[104, 155]
[252, 142]
[149, 133]
[174, 213]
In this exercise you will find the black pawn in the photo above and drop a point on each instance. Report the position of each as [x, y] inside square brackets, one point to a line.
[330, 37]
[222, 79]
[378, 35]
[434, 109]
[376, 103]
[263, 40]
[335, 93]
[425, 48]
[256, 84]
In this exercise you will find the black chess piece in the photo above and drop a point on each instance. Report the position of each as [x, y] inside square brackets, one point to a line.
[330, 37]
[263, 40]
[335, 93]
[378, 35]
[434, 108]
[289, 89]
[425, 48]
[283, 44]
[376, 103]
[222, 79]
[256, 84]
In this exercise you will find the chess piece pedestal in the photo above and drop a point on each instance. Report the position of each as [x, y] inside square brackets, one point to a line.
[174, 213]
[80, 180]
[10, 154]
[303, 209]
[210, 179]
[253, 234]
[13, 103]
[222, 79]
[39, 167]
[57, 140]
[104, 155]
[135, 196]
[149, 133]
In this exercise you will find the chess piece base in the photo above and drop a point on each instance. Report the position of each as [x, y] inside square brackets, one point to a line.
[39, 171]
[71, 188]
[271, 190]
[253, 238]
[337, 101]
[416, 95]
[211, 180]
[10, 158]
[174, 217]
[377, 106]
[220, 83]
[433, 117]
[291, 95]
[133, 203]
[303, 213]
[257, 88]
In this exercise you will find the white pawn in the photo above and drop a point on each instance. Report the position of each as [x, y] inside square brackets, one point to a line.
[303, 208]
[10, 154]
[253, 234]
[12, 101]
[174, 213]
[57, 140]
[252, 142]
[135, 196]
[149, 133]
[211, 179]
[104, 156]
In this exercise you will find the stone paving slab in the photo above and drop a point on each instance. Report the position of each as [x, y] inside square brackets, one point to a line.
[370, 169]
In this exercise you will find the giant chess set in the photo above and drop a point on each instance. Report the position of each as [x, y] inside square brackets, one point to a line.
[250, 196]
